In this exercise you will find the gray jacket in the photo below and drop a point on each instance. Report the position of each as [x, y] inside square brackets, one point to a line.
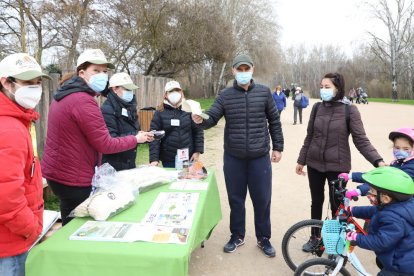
[326, 146]
[250, 117]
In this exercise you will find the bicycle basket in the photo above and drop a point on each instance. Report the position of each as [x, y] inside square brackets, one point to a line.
[331, 235]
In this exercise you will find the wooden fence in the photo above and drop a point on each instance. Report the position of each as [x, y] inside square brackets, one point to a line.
[149, 94]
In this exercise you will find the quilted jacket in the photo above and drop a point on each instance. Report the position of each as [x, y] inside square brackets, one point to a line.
[77, 136]
[21, 189]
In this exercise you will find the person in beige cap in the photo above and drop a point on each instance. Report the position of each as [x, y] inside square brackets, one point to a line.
[180, 131]
[120, 115]
[251, 121]
[21, 189]
[77, 135]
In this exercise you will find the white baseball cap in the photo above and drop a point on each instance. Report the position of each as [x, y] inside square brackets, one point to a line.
[194, 107]
[171, 85]
[122, 79]
[94, 56]
[21, 66]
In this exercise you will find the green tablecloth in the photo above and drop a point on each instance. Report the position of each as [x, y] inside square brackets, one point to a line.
[59, 256]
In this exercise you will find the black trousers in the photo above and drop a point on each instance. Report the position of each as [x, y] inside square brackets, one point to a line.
[70, 197]
[317, 182]
[255, 175]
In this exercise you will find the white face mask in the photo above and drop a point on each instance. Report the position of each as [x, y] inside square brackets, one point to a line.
[28, 96]
[174, 97]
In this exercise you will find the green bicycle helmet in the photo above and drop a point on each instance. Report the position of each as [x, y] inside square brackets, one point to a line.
[392, 181]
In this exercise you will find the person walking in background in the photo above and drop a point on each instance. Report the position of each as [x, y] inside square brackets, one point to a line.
[251, 117]
[287, 92]
[120, 115]
[180, 131]
[77, 134]
[280, 99]
[352, 94]
[21, 187]
[297, 105]
[326, 149]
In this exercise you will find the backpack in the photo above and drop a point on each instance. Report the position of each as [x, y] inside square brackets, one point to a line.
[347, 114]
[304, 102]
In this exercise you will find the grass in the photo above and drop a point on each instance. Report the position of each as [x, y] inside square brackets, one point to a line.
[387, 100]
[205, 103]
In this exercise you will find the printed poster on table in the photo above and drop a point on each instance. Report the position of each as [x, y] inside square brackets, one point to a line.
[172, 209]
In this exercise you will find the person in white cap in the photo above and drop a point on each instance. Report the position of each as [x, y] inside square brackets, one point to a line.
[21, 189]
[180, 131]
[120, 115]
[77, 135]
[297, 105]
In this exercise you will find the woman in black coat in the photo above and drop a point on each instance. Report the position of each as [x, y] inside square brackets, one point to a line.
[180, 130]
[120, 115]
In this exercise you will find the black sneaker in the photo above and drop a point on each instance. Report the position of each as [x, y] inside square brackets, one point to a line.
[312, 244]
[234, 242]
[264, 244]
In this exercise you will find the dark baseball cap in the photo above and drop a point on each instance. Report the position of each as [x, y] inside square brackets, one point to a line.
[242, 59]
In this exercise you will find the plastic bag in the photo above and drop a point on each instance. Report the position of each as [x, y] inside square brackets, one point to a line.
[109, 196]
[144, 178]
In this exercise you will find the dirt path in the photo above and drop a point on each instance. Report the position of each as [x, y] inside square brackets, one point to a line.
[290, 199]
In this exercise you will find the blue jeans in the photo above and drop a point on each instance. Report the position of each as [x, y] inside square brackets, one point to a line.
[13, 266]
[254, 175]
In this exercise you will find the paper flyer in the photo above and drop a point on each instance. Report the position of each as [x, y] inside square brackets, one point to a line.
[172, 209]
[107, 231]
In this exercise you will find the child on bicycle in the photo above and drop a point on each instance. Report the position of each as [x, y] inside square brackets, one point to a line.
[391, 231]
[403, 151]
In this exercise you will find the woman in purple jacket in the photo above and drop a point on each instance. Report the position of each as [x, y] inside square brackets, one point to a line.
[280, 99]
[77, 135]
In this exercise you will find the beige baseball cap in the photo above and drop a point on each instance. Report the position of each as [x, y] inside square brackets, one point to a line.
[21, 66]
[194, 107]
[94, 56]
[171, 85]
[122, 79]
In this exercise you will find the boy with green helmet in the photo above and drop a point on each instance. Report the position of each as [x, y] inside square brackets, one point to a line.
[391, 231]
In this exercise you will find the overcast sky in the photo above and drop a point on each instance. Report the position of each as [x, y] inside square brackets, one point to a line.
[315, 22]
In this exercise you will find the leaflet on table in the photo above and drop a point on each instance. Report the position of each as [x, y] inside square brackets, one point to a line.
[189, 185]
[129, 232]
[172, 209]
[107, 231]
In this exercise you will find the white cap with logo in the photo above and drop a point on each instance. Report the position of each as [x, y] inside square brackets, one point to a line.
[171, 85]
[21, 66]
[94, 56]
[122, 79]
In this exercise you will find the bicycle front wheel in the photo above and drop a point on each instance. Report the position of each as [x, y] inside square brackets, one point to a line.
[294, 239]
[319, 267]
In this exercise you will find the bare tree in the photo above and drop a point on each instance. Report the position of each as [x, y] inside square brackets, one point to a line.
[397, 16]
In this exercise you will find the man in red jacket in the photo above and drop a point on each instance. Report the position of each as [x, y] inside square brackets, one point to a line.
[21, 208]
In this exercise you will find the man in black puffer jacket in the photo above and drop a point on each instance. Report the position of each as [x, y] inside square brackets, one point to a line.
[120, 115]
[251, 117]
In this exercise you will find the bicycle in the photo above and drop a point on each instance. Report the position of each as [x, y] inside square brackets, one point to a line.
[341, 250]
[299, 233]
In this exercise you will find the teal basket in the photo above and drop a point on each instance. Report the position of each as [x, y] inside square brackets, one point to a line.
[332, 239]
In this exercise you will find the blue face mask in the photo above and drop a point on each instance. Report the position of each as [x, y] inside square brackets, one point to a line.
[127, 96]
[326, 94]
[98, 82]
[244, 77]
[401, 154]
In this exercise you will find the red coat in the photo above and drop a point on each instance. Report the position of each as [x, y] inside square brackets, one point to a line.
[76, 134]
[21, 190]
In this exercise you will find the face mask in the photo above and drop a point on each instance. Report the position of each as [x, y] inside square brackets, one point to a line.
[28, 96]
[326, 94]
[244, 77]
[174, 97]
[98, 82]
[401, 154]
[127, 96]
